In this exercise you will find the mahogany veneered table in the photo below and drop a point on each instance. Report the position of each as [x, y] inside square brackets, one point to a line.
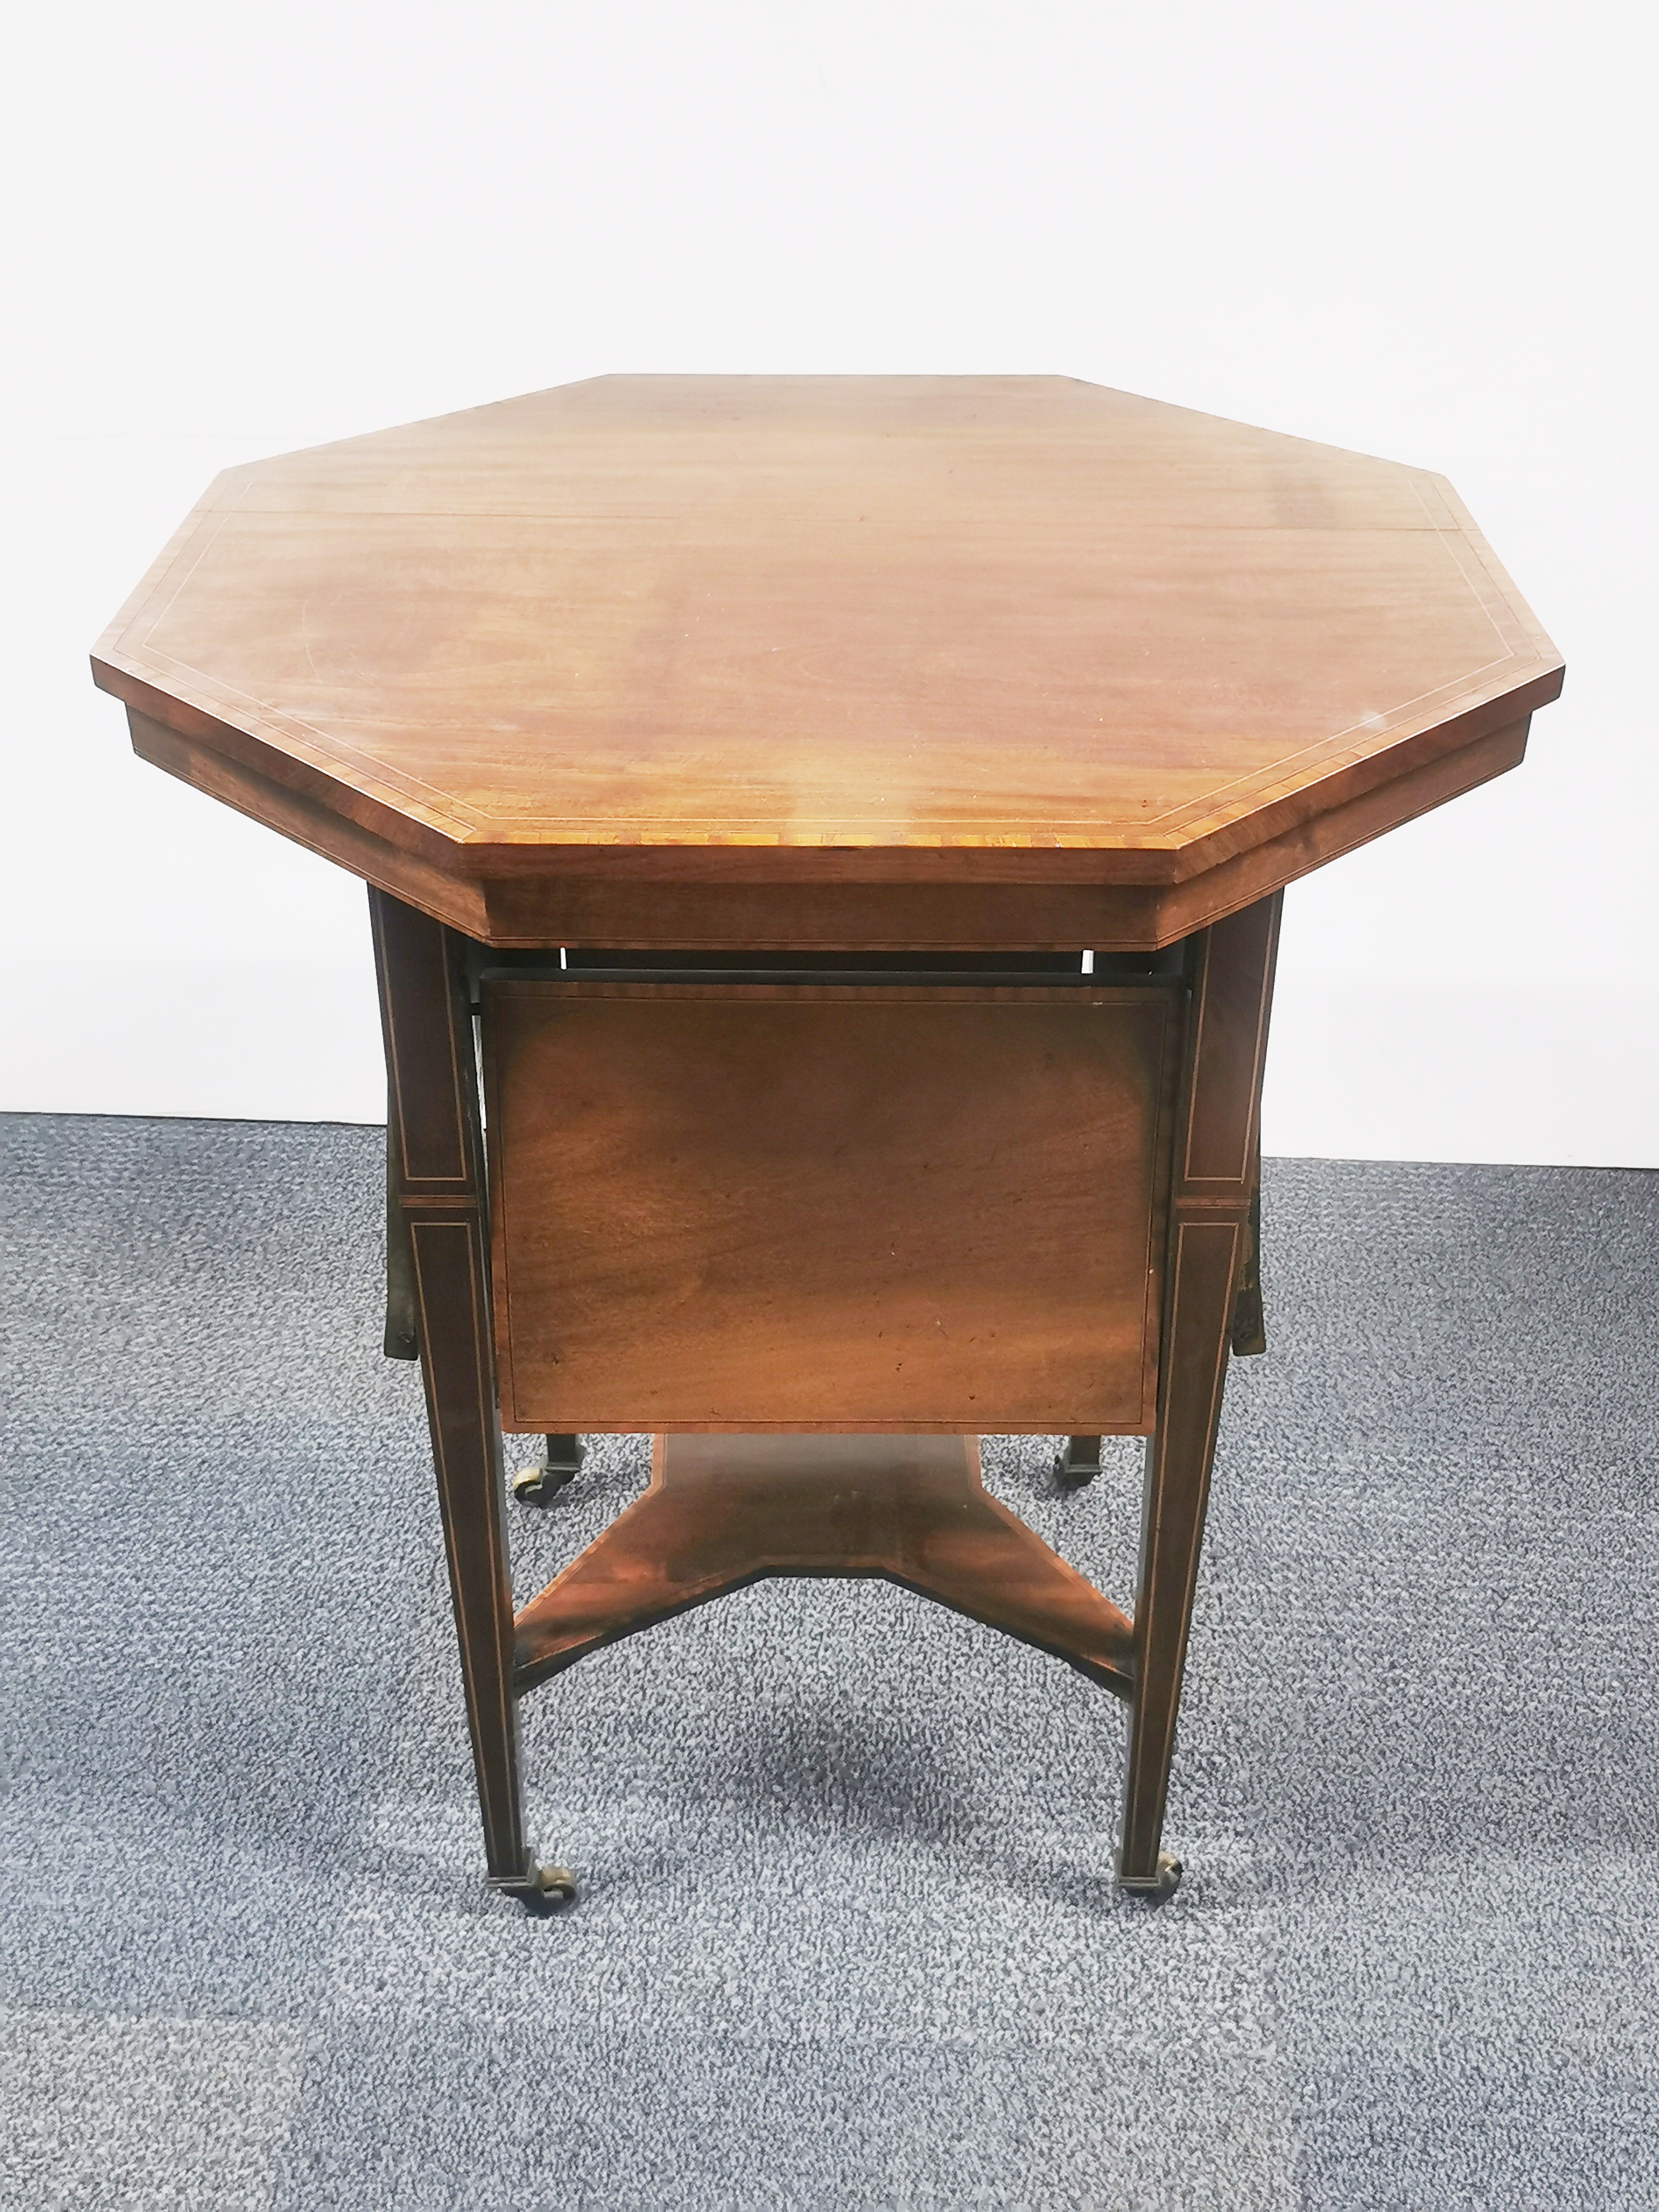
[843, 820]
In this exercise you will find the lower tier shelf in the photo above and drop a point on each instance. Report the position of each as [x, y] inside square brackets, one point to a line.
[722, 1511]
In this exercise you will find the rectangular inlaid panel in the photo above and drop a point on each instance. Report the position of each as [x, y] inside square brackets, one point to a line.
[785, 1206]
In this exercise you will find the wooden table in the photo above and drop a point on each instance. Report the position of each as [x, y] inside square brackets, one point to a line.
[839, 825]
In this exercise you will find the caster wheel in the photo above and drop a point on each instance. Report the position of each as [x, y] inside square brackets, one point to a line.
[550, 1887]
[538, 1485]
[1156, 1887]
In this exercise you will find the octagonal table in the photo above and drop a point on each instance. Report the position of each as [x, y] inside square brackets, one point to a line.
[838, 824]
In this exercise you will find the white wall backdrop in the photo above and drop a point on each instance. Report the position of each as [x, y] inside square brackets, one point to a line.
[1421, 231]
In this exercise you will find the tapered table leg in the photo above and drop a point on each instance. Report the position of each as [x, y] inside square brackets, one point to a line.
[439, 1162]
[1203, 1262]
[1215, 1177]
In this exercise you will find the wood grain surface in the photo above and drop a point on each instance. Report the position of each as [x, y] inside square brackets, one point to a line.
[748, 1206]
[889, 635]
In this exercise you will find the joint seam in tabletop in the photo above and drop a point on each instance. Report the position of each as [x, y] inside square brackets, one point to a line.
[140, 626]
[1503, 585]
[220, 518]
[1455, 539]
[1255, 807]
[1523, 641]
[1227, 802]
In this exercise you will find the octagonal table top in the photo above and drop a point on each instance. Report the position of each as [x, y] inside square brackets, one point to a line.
[955, 634]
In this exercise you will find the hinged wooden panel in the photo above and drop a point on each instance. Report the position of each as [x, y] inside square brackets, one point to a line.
[854, 1207]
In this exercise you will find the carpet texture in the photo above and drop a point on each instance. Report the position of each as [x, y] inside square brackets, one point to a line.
[847, 1935]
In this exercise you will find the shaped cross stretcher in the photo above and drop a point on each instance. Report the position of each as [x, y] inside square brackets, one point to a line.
[723, 1511]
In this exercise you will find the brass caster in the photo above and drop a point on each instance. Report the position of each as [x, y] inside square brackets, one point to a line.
[548, 1887]
[540, 1486]
[1157, 1887]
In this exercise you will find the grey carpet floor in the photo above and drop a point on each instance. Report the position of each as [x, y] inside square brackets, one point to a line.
[849, 1937]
